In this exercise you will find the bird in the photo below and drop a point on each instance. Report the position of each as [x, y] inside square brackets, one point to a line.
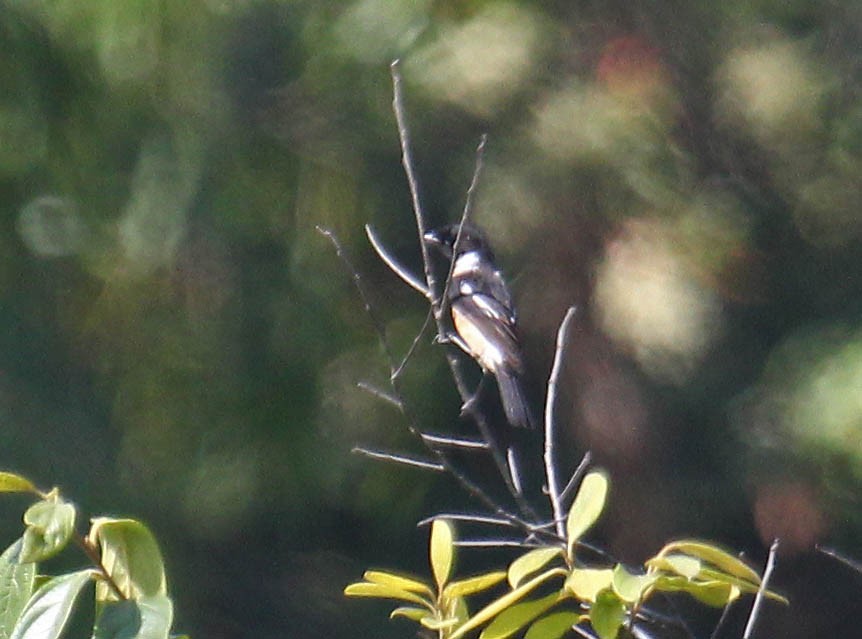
[483, 314]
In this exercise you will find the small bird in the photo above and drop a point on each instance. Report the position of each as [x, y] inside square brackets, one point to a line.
[483, 316]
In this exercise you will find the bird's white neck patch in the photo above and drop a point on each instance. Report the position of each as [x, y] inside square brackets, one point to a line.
[467, 263]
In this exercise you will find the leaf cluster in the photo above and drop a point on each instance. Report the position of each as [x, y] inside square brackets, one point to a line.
[130, 596]
[607, 597]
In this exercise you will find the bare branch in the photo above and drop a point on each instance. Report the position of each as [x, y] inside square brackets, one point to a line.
[475, 519]
[495, 543]
[379, 393]
[396, 267]
[550, 419]
[583, 632]
[454, 442]
[855, 565]
[400, 459]
[514, 470]
[758, 598]
[575, 479]
[413, 346]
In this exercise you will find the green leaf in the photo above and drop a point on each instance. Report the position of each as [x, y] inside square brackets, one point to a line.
[438, 624]
[131, 557]
[496, 607]
[145, 618]
[688, 567]
[630, 587]
[607, 615]
[16, 586]
[586, 583]
[442, 551]
[50, 524]
[530, 563]
[553, 626]
[397, 581]
[518, 616]
[712, 593]
[12, 483]
[588, 505]
[49, 608]
[365, 589]
[714, 555]
[414, 614]
[472, 585]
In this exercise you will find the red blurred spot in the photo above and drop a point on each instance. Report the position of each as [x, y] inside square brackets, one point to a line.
[791, 513]
[630, 66]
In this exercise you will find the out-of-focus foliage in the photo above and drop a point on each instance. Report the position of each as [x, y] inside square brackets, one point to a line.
[177, 341]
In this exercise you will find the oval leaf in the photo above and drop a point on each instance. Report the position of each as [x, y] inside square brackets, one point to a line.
[553, 626]
[607, 615]
[146, 618]
[16, 586]
[397, 581]
[630, 587]
[586, 583]
[414, 614]
[49, 608]
[12, 483]
[518, 616]
[588, 505]
[529, 563]
[688, 567]
[131, 557]
[472, 585]
[442, 551]
[50, 524]
[496, 607]
[715, 556]
[365, 589]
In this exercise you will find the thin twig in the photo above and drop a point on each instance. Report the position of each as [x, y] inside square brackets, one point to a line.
[514, 470]
[721, 620]
[583, 632]
[474, 519]
[400, 459]
[379, 393]
[413, 346]
[575, 479]
[758, 598]
[854, 565]
[395, 266]
[495, 543]
[96, 560]
[550, 419]
[454, 442]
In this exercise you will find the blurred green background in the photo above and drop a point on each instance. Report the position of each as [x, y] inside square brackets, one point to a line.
[177, 343]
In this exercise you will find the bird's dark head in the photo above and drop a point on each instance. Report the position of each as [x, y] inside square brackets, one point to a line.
[444, 239]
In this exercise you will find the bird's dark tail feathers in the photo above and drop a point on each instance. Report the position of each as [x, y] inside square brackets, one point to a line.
[514, 401]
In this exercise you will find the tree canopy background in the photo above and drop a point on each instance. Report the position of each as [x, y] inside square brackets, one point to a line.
[179, 343]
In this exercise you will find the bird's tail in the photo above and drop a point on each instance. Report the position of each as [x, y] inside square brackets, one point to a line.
[514, 401]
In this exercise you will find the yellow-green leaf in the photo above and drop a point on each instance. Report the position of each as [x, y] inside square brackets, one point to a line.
[496, 607]
[131, 556]
[530, 563]
[50, 524]
[712, 593]
[438, 624]
[366, 589]
[415, 614]
[442, 551]
[588, 505]
[471, 586]
[630, 587]
[586, 583]
[12, 483]
[607, 615]
[518, 616]
[688, 567]
[714, 555]
[554, 626]
[397, 581]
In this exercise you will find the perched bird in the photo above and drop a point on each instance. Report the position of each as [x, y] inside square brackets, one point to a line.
[483, 316]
